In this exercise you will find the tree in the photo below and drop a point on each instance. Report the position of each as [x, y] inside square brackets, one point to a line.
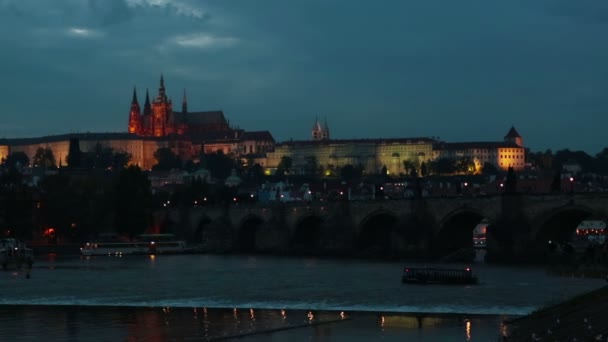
[511, 181]
[44, 158]
[132, 197]
[443, 166]
[489, 169]
[219, 165]
[284, 165]
[423, 169]
[350, 173]
[255, 172]
[120, 160]
[464, 165]
[556, 183]
[311, 166]
[384, 171]
[16, 159]
[166, 160]
[74, 158]
[410, 167]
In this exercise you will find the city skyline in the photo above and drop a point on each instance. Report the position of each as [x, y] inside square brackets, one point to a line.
[461, 72]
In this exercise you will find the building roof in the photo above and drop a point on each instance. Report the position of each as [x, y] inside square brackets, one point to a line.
[475, 145]
[201, 118]
[379, 141]
[257, 136]
[512, 133]
[82, 136]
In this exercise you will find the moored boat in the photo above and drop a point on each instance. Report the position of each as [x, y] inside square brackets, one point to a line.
[438, 276]
[14, 253]
[143, 244]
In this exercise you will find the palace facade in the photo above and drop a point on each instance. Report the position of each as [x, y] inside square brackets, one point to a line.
[372, 155]
[188, 134]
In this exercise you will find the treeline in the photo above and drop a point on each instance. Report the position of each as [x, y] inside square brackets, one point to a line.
[549, 162]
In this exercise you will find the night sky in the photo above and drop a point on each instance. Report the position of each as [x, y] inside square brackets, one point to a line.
[458, 70]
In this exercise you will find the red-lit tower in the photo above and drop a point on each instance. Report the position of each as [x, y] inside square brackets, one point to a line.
[146, 117]
[162, 110]
[135, 124]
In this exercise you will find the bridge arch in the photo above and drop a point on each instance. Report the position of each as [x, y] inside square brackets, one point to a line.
[378, 234]
[455, 231]
[247, 233]
[201, 228]
[560, 224]
[307, 234]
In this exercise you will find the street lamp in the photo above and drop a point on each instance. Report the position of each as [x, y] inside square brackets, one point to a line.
[571, 184]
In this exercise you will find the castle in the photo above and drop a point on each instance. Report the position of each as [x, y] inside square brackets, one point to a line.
[190, 133]
[186, 133]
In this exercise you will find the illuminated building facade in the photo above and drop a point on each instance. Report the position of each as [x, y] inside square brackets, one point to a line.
[373, 154]
[186, 133]
[158, 119]
[502, 154]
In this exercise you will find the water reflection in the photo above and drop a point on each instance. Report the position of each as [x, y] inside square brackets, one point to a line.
[205, 324]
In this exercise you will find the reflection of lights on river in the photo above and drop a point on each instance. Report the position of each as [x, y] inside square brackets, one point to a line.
[342, 315]
[251, 314]
[382, 321]
[283, 314]
[468, 330]
[234, 313]
[152, 257]
[504, 331]
[310, 316]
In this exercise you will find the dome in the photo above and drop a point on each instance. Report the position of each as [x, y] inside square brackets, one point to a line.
[233, 180]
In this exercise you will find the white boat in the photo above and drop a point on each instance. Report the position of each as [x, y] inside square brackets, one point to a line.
[14, 253]
[144, 244]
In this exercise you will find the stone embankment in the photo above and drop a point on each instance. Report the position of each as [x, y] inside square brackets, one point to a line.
[583, 318]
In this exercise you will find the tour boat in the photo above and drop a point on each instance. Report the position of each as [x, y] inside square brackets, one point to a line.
[438, 276]
[14, 253]
[143, 244]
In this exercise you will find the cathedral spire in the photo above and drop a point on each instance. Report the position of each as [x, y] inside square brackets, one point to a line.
[134, 115]
[134, 101]
[161, 90]
[147, 106]
[184, 103]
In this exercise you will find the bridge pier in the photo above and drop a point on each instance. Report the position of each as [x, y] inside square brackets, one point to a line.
[407, 228]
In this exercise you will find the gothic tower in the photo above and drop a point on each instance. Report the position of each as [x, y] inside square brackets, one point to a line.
[135, 124]
[146, 116]
[184, 104]
[514, 137]
[320, 132]
[162, 110]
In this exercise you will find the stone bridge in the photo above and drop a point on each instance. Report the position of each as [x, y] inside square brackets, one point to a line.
[518, 225]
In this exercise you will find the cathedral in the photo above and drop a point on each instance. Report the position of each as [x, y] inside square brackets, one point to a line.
[158, 119]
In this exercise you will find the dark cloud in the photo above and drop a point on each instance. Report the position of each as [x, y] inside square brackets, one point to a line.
[461, 71]
[584, 11]
[110, 12]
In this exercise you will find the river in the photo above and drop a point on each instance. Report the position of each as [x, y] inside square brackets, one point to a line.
[121, 298]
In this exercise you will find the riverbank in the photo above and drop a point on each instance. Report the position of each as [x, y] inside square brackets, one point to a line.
[583, 317]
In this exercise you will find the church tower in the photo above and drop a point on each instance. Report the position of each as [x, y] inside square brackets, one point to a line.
[320, 132]
[184, 104]
[162, 109]
[514, 137]
[146, 116]
[135, 123]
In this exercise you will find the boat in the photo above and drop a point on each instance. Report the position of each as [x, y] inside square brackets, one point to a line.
[14, 253]
[142, 244]
[425, 275]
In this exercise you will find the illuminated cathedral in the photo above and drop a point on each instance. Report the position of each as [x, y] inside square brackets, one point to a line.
[158, 119]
